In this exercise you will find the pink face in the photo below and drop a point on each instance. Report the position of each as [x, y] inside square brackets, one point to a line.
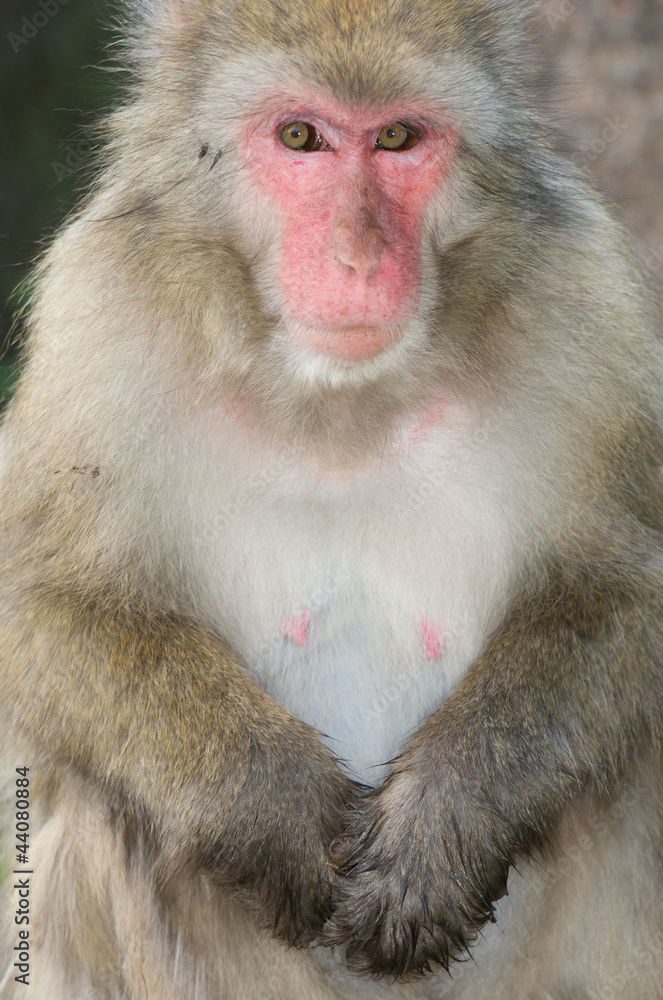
[349, 263]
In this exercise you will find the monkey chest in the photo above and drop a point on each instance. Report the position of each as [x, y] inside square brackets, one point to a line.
[359, 608]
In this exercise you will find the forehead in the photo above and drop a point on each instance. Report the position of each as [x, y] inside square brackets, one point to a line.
[369, 52]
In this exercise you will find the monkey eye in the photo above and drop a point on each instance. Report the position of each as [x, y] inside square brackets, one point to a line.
[302, 137]
[397, 137]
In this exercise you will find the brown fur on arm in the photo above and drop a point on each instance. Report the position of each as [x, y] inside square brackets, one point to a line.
[552, 705]
[158, 712]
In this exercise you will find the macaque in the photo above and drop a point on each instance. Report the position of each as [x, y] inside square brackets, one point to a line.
[331, 603]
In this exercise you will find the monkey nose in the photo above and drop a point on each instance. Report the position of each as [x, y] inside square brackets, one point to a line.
[359, 252]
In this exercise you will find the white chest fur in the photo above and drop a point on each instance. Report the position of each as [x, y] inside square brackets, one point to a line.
[357, 601]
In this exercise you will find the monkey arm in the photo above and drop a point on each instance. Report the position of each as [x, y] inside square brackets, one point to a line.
[159, 714]
[555, 702]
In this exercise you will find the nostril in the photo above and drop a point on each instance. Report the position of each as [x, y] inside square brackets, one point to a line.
[360, 251]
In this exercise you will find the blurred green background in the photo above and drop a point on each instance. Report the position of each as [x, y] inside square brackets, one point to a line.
[53, 85]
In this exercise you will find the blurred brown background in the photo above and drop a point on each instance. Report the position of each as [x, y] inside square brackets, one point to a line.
[598, 70]
[601, 77]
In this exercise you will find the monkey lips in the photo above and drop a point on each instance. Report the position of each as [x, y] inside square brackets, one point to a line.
[349, 343]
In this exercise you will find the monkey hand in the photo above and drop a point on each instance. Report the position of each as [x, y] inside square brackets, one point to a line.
[273, 856]
[417, 874]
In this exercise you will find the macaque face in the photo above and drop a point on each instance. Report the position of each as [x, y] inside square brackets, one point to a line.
[351, 189]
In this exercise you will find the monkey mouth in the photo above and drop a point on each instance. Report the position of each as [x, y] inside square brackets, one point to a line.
[349, 343]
